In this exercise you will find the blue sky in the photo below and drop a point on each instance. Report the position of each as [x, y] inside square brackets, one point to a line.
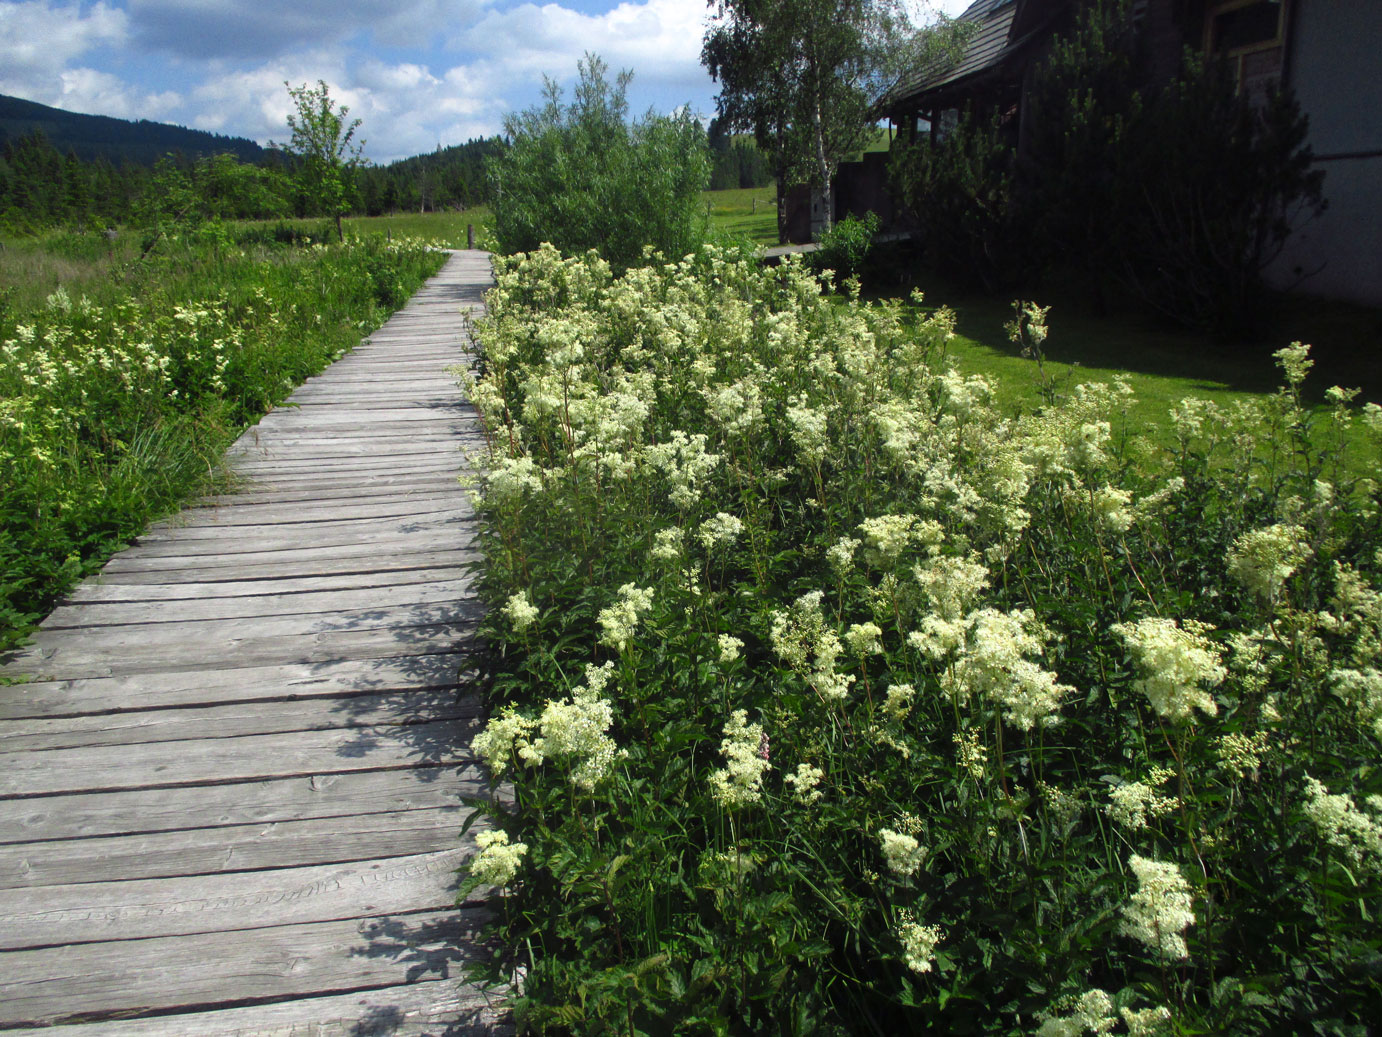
[417, 72]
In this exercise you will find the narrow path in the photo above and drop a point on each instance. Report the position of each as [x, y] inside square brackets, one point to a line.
[230, 797]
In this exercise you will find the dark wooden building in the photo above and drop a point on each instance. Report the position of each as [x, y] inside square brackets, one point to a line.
[1328, 51]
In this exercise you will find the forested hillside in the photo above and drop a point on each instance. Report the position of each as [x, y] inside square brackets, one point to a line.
[92, 137]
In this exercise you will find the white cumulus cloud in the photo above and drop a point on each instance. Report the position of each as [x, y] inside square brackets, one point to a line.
[40, 41]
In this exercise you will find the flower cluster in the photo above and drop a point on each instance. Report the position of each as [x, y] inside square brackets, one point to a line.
[1161, 909]
[498, 860]
[1176, 662]
[740, 782]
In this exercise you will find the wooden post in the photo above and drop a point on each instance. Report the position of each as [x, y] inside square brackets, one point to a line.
[470, 235]
[755, 206]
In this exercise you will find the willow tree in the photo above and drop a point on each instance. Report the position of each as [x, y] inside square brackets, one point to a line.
[804, 75]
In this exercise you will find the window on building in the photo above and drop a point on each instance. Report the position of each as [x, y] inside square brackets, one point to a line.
[1249, 35]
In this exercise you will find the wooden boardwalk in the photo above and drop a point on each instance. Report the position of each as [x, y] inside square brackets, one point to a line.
[229, 799]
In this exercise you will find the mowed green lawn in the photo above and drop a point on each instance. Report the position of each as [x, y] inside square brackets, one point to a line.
[1165, 364]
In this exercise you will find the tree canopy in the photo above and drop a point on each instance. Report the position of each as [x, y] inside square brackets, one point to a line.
[324, 144]
[582, 176]
[803, 75]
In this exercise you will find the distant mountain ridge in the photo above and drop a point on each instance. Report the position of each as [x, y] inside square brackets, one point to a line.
[117, 140]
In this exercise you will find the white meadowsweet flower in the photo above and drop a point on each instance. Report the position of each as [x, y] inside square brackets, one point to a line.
[1111, 509]
[995, 663]
[1091, 1012]
[498, 860]
[1295, 361]
[1161, 909]
[511, 477]
[505, 736]
[898, 702]
[918, 944]
[1131, 803]
[729, 647]
[1343, 824]
[864, 639]
[1263, 559]
[1176, 662]
[1146, 1022]
[576, 729]
[667, 543]
[740, 783]
[720, 531]
[887, 536]
[804, 783]
[902, 852]
[841, 555]
[620, 620]
[520, 611]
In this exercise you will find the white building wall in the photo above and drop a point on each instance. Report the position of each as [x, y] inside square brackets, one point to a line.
[1335, 55]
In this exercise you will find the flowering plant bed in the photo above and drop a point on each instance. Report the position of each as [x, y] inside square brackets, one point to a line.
[835, 701]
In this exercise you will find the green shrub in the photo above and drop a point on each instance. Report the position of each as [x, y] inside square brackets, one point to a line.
[961, 194]
[846, 245]
[580, 176]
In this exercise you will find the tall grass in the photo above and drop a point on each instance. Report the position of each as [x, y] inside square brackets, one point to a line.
[121, 389]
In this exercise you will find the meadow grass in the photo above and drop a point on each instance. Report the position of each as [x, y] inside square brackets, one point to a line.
[122, 380]
[744, 214]
[1163, 364]
[447, 227]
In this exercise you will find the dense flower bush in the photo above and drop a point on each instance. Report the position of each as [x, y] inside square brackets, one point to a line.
[835, 701]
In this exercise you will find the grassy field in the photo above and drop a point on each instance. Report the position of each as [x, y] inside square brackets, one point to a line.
[448, 228]
[1167, 364]
[746, 213]
[1163, 364]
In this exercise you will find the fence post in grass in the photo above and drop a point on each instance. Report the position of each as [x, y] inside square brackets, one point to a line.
[470, 235]
[755, 207]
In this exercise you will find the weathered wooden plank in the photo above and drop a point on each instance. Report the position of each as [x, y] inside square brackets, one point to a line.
[455, 413]
[226, 848]
[235, 720]
[453, 526]
[397, 517]
[442, 496]
[257, 757]
[325, 492]
[183, 905]
[111, 589]
[176, 633]
[368, 559]
[69, 660]
[224, 685]
[431, 1007]
[350, 445]
[360, 470]
[338, 794]
[212, 970]
[269, 602]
